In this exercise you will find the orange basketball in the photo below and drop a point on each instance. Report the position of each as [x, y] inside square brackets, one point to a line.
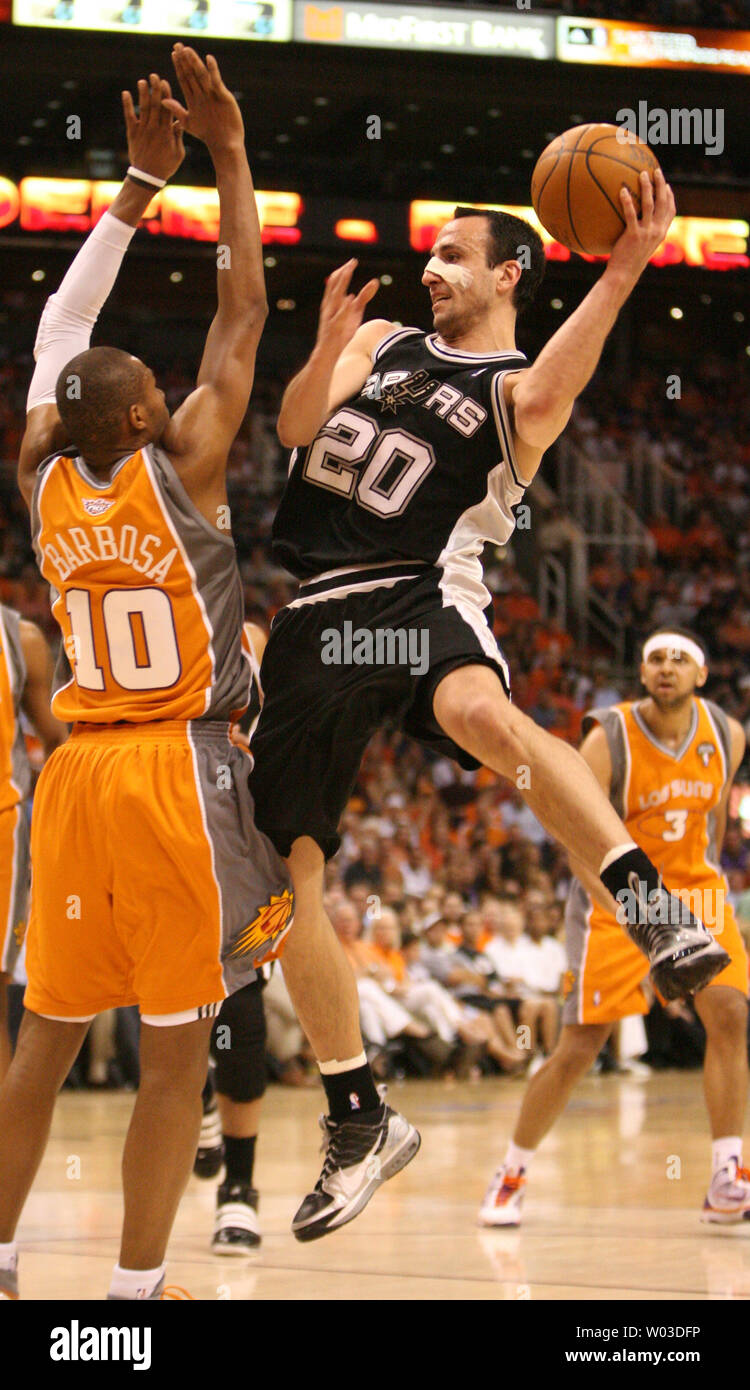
[575, 187]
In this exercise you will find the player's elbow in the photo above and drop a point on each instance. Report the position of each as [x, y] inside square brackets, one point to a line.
[290, 435]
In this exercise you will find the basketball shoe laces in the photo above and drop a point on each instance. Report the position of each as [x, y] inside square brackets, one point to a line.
[346, 1143]
[655, 936]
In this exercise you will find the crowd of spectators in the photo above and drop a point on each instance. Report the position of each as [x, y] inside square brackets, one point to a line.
[447, 894]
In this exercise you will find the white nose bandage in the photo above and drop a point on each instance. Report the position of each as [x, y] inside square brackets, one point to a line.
[674, 642]
[454, 274]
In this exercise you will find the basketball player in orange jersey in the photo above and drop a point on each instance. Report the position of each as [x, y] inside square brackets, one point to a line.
[150, 883]
[411, 450]
[666, 763]
[25, 681]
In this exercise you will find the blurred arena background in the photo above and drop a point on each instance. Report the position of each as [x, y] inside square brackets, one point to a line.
[366, 124]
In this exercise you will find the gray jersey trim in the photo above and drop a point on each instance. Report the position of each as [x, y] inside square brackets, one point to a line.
[718, 718]
[390, 341]
[612, 721]
[10, 632]
[674, 753]
[720, 725]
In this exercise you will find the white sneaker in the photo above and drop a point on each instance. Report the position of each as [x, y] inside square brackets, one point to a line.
[503, 1199]
[728, 1197]
[358, 1158]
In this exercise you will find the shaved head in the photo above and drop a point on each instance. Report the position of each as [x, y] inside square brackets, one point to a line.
[94, 393]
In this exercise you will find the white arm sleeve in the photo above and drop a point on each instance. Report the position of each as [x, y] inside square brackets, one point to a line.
[70, 314]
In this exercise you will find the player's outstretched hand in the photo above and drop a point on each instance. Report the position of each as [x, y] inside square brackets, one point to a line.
[210, 112]
[643, 235]
[155, 142]
[341, 313]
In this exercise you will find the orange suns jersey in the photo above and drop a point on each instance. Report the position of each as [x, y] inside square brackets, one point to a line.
[146, 592]
[15, 769]
[669, 799]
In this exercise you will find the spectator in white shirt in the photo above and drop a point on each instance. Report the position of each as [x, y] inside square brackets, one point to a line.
[515, 960]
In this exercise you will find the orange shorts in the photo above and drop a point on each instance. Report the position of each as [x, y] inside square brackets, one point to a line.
[606, 971]
[150, 882]
[14, 884]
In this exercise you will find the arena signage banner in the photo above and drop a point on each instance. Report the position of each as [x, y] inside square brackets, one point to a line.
[181, 19]
[179, 210]
[716, 243]
[426, 29]
[610, 41]
[41, 205]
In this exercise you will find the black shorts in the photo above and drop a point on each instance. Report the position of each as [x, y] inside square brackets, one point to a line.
[330, 682]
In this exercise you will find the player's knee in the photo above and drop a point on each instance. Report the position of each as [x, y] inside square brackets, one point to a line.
[577, 1050]
[238, 1046]
[485, 723]
[727, 1020]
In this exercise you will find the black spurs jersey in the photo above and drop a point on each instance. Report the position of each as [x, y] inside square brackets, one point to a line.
[418, 467]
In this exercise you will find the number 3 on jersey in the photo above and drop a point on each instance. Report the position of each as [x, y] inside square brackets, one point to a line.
[141, 642]
[349, 440]
[677, 822]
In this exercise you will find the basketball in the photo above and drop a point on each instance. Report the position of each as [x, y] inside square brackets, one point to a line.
[575, 187]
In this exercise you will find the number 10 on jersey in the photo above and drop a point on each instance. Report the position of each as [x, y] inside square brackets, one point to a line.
[140, 640]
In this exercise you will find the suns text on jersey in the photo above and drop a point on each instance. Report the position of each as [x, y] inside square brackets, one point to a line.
[92, 545]
[678, 787]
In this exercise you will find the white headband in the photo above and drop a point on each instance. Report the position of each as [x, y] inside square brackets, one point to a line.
[454, 274]
[674, 642]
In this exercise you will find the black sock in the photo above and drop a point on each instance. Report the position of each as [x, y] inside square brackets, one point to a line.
[239, 1157]
[351, 1094]
[633, 877]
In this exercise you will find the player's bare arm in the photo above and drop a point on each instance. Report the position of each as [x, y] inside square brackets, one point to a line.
[38, 688]
[542, 396]
[155, 146]
[737, 753]
[200, 434]
[340, 362]
[595, 751]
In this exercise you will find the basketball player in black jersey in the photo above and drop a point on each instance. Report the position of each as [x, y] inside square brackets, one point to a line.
[410, 451]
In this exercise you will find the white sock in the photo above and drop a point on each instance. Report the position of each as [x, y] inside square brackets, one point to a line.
[8, 1255]
[134, 1283]
[517, 1158]
[722, 1150]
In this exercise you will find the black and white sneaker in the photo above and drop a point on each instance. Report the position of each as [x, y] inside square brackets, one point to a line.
[236, 1229]
[210, 1152]
[683, 955]
[359, 1156]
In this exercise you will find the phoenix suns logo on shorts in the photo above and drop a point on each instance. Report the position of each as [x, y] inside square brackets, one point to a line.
[266, 929]
[568, 983]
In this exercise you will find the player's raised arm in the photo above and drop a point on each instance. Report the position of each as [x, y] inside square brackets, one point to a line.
[156, 151]
[542, 396]
[201, 431]
[340, 361]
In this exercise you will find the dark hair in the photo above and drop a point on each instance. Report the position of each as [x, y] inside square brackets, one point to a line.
[506, 236]
[679, 632]
[94, 392]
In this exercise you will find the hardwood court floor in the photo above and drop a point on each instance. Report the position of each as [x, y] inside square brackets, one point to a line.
[603, 1220]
